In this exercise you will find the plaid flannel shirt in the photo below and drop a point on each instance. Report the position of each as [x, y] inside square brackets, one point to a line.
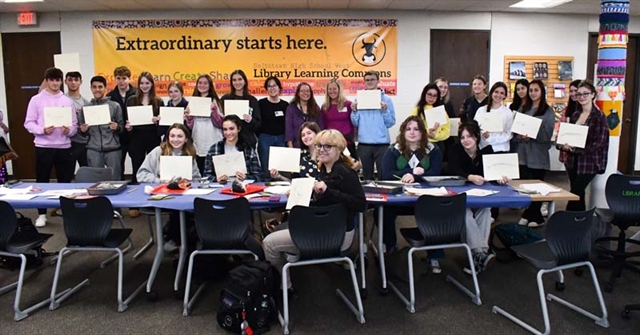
[254, 171]
[593, 158]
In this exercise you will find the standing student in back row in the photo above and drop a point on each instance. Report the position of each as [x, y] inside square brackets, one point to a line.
[120, 94]
[53, 144]
[373, 127]
[250, 120]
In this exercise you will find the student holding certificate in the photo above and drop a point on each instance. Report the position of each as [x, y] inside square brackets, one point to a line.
[206, 131]
[303, 108]
[408, 160]
[583, 164]
[533, 149]
[445, 97]
[308, 163]
[272, 127]
[572, 105]
[338, 184]
[465, 159]
[336, 114]
[53, 144]
[120, 94]
[438, 132]
[176, 99]
[233, 142]
[477, 100]
[498, 140]
[251, 120]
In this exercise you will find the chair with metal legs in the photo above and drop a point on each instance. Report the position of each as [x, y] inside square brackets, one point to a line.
[567, 246]
[318, 233]
[440, 225]
[87, 225]
[17, 247]
[222, 226]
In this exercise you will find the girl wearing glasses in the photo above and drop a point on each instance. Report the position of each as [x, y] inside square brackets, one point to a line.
[303, 108]
[338, 184]
[430, 98]
[207, 131]
[408, 160]
[583, 164]
[233, 142]
[272, 110]
[533, 149]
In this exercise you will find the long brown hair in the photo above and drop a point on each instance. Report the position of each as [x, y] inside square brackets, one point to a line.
[188, 149]
[543, 105]
[312, 105]
[153, 99]
[245, 89]
[402, 142]
[311, 126]
[212, 90]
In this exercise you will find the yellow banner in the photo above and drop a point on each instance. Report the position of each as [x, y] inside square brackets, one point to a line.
[294, 50]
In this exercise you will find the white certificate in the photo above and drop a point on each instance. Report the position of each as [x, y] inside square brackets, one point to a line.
[140, 115]
[200, 106]
[236, 107]
[67, 62]
[171, 115]
[57, 116]
[524, 124]
[300, 194]
[572, 134]
[176, 166]
[96, 115]
[369, 99]
[284, 159]
[491, 122]
[454, 124]
[498, 165]
[229, 164]
[435, 114]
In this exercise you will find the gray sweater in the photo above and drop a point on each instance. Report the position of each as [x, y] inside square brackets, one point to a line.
[149, 171]
[534, 153]
[79, 102]
[102, 138]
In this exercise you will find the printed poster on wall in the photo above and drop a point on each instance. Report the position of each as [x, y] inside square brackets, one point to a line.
[294, 50]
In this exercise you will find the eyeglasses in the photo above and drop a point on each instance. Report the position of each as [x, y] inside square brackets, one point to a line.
[431, 95]
[325, 147]
[582, 95]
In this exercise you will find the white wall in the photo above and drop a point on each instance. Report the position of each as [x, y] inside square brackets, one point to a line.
[511, 34]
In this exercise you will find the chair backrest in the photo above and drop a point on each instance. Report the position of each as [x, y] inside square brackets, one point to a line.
[623, 197]
[222, 224]
[8, 223]
[441, 220]
[318, 232]
[569, 235]
[87, 174]
[87, 222]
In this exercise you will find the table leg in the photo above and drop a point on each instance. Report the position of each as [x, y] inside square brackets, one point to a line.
[383, 271]
[183, 250]
[362, 247]
[159, 250]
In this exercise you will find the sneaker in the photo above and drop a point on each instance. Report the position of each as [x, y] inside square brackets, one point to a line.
[170, 246]
[544, 209]
[467, 270]
[488, 260]
[523, 222]
[41, 221]
[134, 213]
[435, 266]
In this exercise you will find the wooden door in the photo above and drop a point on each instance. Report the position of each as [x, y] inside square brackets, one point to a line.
[628, 142]
[26, 57]
[459, 55]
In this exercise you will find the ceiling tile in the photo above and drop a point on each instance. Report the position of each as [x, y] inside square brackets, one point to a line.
[246, 4]
[288, 4]
[328, 4]
[369, 4]
[410, 4]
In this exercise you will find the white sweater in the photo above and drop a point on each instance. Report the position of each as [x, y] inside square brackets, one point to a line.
[499, 141]
[149, 171]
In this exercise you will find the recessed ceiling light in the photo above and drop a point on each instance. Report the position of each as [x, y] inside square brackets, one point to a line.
[539, 3]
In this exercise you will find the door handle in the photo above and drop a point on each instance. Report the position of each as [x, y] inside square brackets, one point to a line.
[627, 120]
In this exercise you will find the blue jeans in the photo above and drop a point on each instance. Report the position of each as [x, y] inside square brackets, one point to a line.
[266, 141]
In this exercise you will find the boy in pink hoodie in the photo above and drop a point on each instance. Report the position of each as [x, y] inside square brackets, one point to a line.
[53, 144]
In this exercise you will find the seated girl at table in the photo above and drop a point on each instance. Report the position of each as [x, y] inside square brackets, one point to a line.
[232, 142]
[178, 143]
[308, 164]
[465, 159]
[338, 184]
[408, 160]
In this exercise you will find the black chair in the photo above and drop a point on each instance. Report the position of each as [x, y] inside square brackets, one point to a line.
[567, 246]
[623, 197]
[17, 247]
[87, 225]
[318, 233]
[222, 226]
[440, 225]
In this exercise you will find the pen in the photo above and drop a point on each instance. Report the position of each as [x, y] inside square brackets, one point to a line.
[132, 190]
[397, 176]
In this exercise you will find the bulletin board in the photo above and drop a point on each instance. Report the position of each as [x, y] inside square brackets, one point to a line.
[524, 66]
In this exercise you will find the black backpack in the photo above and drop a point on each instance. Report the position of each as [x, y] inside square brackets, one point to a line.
[509, 235]
[24, 228]
[249, 288]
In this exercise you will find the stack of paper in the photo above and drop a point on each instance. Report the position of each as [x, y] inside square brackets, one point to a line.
[6, 190]
[279, 189]
[541, 188]
[477, 192]
[438, 191]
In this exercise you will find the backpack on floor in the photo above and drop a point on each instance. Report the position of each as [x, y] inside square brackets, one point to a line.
[248, 295]
[509, 235]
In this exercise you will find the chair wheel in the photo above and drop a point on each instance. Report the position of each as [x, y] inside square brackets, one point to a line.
[608, 288]
[384, 291]
[152, 296]
[626, 314]
[578, 272]
[363, 293]
[559, 286]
